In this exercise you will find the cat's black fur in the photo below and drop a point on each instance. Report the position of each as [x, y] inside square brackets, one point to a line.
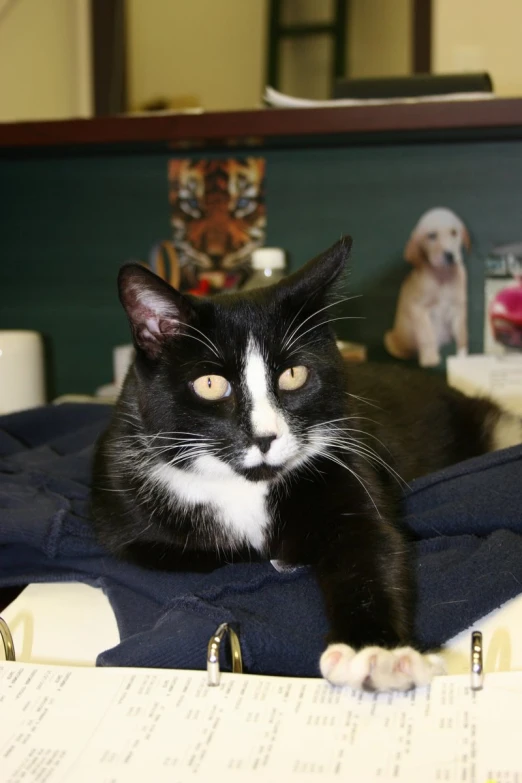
[341, 511]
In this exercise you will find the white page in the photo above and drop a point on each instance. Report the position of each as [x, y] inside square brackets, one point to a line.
[65, 724]
[281, 100]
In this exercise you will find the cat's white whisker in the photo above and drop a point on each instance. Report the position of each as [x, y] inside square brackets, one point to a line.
[203, 342]
[176, 433]
[366, 452]
[185, 453]
[182, 458]
[174, 443]
[210, 344]
[331, 304]
[340, 431]
[327, 455]
[364, 399]
[138, 534]
[292, 322]
[324, 323]
[110, 489]
[341, 418]
[148, 441]
[129, 419]
[203, 361]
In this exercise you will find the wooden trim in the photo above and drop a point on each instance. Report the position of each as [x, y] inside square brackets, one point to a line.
[421, 36]
[82, 36]
[262, 125]
[304, 29]
[341, 23]
[108, 56]
[273, 53]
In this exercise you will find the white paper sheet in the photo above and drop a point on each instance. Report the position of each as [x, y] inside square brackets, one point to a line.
[282, 101]
[81, 724]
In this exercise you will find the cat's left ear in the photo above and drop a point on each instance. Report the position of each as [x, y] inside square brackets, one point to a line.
[319, 274]
[156, 311]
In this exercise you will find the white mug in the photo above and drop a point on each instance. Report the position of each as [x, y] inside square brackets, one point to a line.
[22, 373]
[122, 358]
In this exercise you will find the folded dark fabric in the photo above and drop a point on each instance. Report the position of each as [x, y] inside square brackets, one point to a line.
[469, 555]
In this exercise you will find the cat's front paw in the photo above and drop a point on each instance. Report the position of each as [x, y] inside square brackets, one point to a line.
[377, 669]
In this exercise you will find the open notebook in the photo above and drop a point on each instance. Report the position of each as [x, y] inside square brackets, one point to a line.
[74, 724]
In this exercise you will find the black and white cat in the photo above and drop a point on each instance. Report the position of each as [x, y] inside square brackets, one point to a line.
[240, 433]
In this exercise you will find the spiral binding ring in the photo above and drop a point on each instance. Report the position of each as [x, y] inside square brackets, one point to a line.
[7, 640]
[213, 671]
[477, 670]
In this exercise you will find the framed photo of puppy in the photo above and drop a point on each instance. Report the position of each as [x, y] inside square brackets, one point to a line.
[432, 308]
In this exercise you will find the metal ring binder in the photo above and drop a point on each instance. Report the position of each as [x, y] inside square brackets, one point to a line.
[214, 645]
[7, 640]
[213, 671]
[477, 674]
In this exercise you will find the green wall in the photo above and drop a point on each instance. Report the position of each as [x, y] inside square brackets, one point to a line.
[67, 223]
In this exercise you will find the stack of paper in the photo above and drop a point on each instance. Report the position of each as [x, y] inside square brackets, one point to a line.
[280, 100]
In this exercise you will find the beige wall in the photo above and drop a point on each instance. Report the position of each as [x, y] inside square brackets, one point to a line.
[211, 49]
[215, 50]
[379, 38]
[378, 44]
[476, 35]
[182, 47]
[42, 59]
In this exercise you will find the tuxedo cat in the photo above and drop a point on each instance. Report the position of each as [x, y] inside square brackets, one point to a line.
[241, 433]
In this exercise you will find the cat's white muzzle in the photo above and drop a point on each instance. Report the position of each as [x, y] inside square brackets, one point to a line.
[282, 449]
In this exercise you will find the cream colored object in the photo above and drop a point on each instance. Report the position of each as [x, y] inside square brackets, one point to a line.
[22, 374]
[122, 358]
[62, 623]
[496, 377]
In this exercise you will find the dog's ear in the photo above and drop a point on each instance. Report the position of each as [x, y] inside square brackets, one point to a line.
[466, 241]
[413, 252]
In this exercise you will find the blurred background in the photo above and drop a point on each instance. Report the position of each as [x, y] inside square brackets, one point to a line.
[82, 58]
[79, 199]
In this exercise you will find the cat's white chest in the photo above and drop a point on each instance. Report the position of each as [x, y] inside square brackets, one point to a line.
[240, 506]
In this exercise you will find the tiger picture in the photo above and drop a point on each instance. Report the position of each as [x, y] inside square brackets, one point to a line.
[218, 212]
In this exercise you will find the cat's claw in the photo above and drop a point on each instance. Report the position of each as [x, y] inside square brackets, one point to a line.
[377, 669]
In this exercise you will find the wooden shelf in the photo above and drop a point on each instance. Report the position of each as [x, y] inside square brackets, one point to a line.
[263, 126]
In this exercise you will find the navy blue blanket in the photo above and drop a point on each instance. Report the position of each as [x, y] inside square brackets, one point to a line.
[469, 555]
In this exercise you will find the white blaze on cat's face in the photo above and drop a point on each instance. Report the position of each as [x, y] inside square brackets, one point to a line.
[266, 417]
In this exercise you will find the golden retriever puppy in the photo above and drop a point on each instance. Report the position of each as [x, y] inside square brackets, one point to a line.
[432, 305]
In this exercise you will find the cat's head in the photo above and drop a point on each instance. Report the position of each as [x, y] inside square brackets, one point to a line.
[237, 383]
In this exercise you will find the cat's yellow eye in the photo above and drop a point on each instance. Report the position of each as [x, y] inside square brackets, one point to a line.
[293, 378]
[212, 387]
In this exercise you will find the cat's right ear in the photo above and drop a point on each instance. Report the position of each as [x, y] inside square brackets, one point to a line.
[156, 311]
